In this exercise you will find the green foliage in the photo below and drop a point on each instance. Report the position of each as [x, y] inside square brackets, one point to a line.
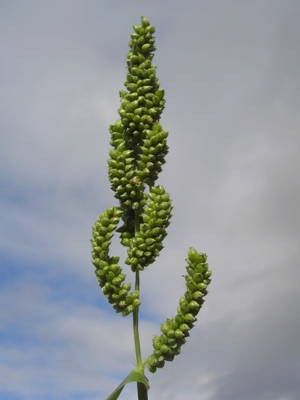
[134, 376]
[139, 147]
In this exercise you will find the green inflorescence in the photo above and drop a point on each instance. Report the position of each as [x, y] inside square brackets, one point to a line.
[175, 330]
[139, 147]
[147, 242]
[108, 272]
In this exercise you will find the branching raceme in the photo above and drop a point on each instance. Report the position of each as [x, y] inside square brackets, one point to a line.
[139, 147]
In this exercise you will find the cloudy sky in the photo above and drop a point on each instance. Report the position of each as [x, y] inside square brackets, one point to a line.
[231, 74]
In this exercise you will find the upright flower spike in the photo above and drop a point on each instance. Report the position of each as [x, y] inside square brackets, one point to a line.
[137, 135]
[137, 155]
[138, 140]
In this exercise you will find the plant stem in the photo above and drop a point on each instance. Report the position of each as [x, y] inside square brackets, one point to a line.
[136, 328]
[141, 389]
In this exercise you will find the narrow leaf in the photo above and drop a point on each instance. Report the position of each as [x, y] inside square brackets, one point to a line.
[134, 376]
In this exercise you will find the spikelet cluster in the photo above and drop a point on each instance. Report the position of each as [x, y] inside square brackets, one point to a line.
[123, 175]
[147, 242]
[138, 140]
[108, 272]
[139, 146]
[176, 330]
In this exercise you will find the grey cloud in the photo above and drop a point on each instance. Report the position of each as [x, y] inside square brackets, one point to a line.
[231, 79]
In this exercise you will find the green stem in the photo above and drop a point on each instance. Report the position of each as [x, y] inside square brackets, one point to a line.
[141, 388]
[136, 328]
[142, 391]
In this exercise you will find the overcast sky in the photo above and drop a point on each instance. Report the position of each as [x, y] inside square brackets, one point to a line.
[231, 74]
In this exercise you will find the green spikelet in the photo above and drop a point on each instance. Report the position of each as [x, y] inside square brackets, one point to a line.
[176, 330]
[138, 140]
[147, 243]
[108, 272]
